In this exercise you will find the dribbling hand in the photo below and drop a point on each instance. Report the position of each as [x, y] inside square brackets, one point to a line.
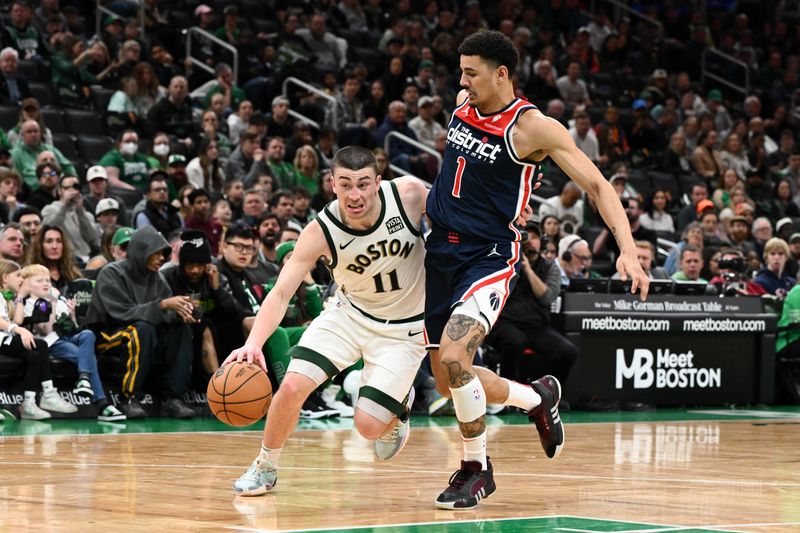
[251, 354]
[628, 267]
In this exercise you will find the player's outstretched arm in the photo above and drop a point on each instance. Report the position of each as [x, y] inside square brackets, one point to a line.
[310, 246]
[553, 140]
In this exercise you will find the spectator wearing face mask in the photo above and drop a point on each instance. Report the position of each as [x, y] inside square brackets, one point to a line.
[127, 167]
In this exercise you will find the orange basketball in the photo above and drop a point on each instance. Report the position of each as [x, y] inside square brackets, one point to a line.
[239, 394]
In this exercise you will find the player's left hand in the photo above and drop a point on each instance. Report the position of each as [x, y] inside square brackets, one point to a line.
[628, 267]
[522, 219]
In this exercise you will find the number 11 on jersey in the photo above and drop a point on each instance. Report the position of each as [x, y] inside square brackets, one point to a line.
[459, 172]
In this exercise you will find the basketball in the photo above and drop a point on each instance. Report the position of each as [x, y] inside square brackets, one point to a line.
[239, 394]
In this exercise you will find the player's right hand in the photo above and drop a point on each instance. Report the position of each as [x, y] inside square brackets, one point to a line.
[251, 354]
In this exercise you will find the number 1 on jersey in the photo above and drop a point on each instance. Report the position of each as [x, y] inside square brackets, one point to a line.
[459, 172]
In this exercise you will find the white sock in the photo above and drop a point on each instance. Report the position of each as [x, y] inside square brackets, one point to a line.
[30, 396]
[475, 449]
[521, 395]
[270, 454]
[47, 386]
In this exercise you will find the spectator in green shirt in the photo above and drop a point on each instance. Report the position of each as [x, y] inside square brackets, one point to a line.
[691, 265]
[232, 94]
[127, 167]
[281, 170]
[230, 31]
[24, 154]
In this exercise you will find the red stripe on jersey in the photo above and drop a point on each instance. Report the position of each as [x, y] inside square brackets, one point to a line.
[507, 274]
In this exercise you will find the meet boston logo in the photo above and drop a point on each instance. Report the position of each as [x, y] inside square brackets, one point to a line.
[665, 370]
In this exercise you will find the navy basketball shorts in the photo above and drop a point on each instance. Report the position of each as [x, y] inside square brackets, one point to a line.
[460, 271]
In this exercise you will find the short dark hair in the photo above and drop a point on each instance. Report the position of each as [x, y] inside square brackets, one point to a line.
[276, 198]
[239, 229]
[258, 119]
[301, 191]
[690, 248]
[247, 136]
[156, 176]
[493, 47]
[27, 210]
[354, 158]
[195, 194]
[267, 216]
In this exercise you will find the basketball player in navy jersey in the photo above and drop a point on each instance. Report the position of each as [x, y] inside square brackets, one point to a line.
[495, 142]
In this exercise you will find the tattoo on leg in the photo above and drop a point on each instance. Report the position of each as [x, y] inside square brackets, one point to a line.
[456, 375]
[473, 429]
[459, 325]
[473, 343]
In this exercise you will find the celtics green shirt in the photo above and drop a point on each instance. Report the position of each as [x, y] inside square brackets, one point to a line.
[132, 170]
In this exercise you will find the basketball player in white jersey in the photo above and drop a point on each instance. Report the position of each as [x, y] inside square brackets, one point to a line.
[376, 254]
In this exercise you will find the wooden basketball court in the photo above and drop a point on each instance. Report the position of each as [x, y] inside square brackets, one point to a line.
[670, 470]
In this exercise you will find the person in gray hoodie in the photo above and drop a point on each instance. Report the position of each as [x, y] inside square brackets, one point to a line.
[134, 314]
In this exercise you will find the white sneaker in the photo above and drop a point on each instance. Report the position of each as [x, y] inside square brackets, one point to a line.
[389, 445]
[30, 411]
[110, 414]
[52, 401]
[329, 397]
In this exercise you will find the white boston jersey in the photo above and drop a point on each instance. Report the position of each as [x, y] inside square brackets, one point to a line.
[380, 270]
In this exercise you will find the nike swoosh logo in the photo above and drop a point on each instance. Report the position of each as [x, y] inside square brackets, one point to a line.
[414, 333]
[343, 246]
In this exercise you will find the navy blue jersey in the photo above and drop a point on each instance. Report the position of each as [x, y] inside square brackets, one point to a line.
[483, 185]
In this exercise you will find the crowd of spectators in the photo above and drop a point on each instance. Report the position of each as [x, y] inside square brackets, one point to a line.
[213, 144]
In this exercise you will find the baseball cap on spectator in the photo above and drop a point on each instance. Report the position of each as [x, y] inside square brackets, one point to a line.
[425, 100]
[660, 73]
[639, 104]
[111, 19]
[176, 159]
[783, 222]
[617, 177]
[715, 95]
[425, 63]
[743, 207]
[231, 10]
[394, 40]
[702, 205]
[106, 204]
[794, 238]
[583, 29]
[96, 173]
[740, 218]
[122, 236]
[202, 9]
[531, 226]
[280, 100]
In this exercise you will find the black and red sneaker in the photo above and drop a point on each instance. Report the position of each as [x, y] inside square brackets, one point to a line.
[467, 487]
[545, 415]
